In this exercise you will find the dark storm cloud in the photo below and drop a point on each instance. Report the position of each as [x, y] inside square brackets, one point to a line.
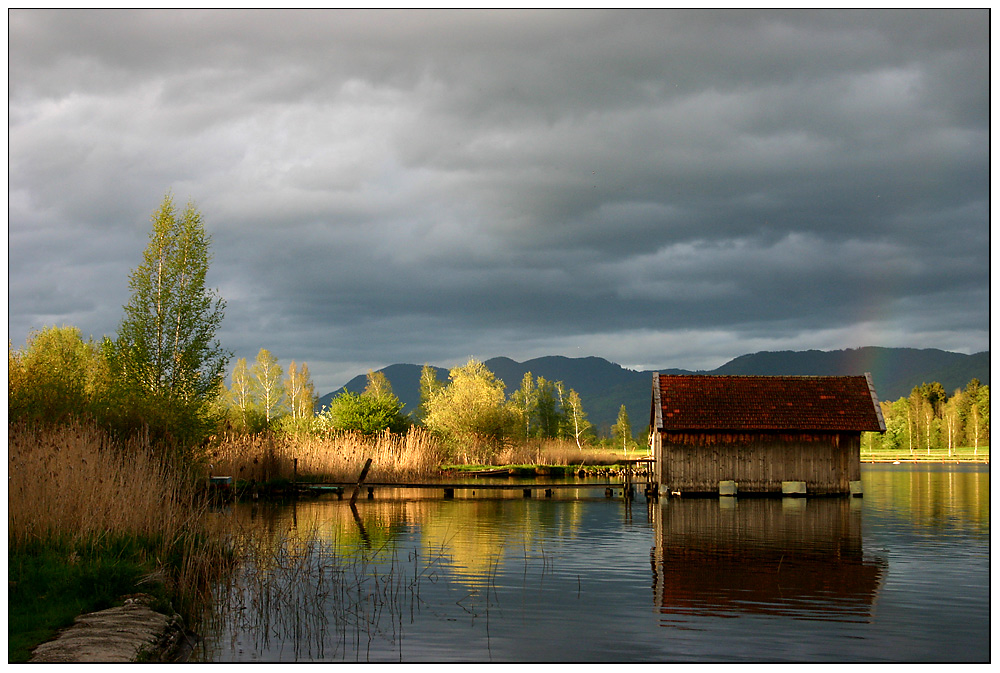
[663, 189]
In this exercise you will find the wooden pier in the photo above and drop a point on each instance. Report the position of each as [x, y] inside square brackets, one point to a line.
[626, 488]
[448, 489]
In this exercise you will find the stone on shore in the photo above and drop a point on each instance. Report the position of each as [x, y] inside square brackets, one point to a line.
[118, 634]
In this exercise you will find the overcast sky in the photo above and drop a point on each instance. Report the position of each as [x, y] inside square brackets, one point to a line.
[658, 188]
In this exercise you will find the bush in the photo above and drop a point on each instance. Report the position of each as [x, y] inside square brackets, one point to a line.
[365, 413]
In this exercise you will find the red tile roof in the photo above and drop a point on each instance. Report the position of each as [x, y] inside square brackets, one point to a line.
[826, 403]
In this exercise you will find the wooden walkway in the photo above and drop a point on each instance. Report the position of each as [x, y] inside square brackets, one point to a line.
[626, 487]
[448, 488]
[484, 486]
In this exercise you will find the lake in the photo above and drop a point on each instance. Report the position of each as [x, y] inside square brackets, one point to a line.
[900, 575]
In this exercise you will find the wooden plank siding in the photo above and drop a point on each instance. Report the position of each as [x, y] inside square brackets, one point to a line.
[695, 462]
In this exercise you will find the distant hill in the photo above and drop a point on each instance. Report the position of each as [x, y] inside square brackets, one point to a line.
[604, 386]
[895, 371]
[405, 380]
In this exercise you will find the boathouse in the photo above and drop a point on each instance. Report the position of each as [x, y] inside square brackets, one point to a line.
[745, 435]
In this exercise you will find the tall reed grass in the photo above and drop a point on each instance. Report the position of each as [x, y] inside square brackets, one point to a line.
[266, 457]
[416, 454]
[72, 487]
[72, 482]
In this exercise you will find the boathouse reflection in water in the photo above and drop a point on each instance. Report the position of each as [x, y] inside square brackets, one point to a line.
[793, 557]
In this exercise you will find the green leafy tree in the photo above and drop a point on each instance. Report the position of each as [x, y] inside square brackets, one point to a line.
[300, 392]
[166, 344]
[548, 411]
[978, 430]
[57, 375]
[300, 400]
[984, 406]
[895, 415]
[930, 419]
[523, 403]
[914, 418]
[471, 408]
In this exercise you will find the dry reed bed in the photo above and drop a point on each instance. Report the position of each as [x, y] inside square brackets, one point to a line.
[395, 457]
[72, 483]
[265, 457]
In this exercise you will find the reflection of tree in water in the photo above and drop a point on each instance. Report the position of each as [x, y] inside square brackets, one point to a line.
[792, 557]
[305, 597]
[482, 533]
[941, 498]
[324, 580]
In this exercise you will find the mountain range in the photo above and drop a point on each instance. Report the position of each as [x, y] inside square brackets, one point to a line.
[604, 386]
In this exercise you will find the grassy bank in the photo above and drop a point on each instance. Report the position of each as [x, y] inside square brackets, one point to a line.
[91, 520]
[965, 454]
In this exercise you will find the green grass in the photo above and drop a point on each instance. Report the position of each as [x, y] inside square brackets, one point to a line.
[49, 585]
[964, 453]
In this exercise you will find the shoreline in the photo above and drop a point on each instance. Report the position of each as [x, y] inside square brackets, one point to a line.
[925, 459]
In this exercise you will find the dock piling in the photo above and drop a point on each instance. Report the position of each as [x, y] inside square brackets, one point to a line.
[361, 480]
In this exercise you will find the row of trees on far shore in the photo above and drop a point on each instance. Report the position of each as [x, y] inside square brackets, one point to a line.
[472, 406]
[930, 419]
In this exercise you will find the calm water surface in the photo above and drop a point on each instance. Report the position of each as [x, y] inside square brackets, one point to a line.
[897, 576]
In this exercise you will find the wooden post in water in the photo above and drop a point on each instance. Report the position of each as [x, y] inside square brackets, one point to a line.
[361, 480]
[627, 492]
[295, 477]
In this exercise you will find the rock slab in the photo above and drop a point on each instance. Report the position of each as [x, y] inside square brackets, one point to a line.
[118, 634]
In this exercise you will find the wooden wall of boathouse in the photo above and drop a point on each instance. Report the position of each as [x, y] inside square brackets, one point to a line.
[695, 462]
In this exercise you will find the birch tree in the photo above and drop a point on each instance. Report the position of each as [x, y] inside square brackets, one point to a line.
[268, 388]
[377, 385]
[241, 392]
[166, 343]
[429, 386]
[300, 392]
[622, 430]
[579, 424]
